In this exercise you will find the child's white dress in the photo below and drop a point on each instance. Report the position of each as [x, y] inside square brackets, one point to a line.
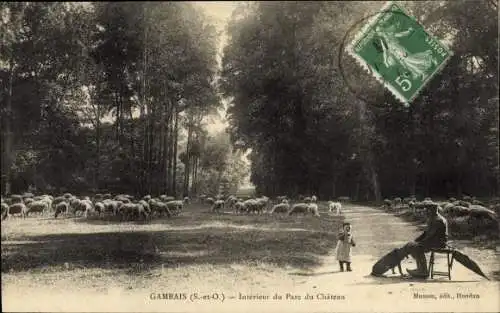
[344, 245]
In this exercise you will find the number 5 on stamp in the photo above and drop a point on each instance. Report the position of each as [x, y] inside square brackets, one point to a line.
[399, 52]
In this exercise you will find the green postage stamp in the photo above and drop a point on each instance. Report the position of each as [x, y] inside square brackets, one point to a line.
[399, 52]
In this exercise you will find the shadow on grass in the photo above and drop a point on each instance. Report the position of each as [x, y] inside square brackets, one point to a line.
[140, 250]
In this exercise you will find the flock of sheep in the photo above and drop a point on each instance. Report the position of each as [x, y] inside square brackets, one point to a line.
[467, 206]
[260, 205]
[122, 206]
[126, 207]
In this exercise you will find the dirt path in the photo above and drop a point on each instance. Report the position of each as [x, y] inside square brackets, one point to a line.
[330, 290]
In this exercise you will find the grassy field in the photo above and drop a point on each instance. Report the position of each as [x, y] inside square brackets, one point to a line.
[195, 237]
[77, 264]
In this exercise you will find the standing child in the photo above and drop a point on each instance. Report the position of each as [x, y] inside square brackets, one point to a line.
[344, 243]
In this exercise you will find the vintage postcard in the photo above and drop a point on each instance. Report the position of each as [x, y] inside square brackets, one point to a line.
[219, 156]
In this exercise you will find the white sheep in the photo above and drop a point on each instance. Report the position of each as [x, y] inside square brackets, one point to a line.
[37, 207]
[299, 208]
[61, 207]
[18, 208]
[175, 206]
[280, 208]
[218, 204]
[313, 208]
[335, 206]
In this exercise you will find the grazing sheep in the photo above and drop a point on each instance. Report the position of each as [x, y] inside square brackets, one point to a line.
[230, 201]
[299, 208]
[313, 208]
[335, 206]
[175, 206]
[18, 208]
[141, 211]
[159, 208]
[48, 200]
[146, 198]
[239, 207]
[111, 206]
[457, 211]
[482, 212]
[397, 202]
[307, 199]
[262, 203]
[387, 205]
[209, 201]
[145, 205]
[58, 200]
[28, 200]
[186, 200]
[87, 207]
[447, 205]
[314, 198]
[250, 205]
[99, 208]
[256, 205]
[61, 207]
[37, 207]
[132, 211]
[218, 204]
[75, 206]
[280, 208]
[68, 195]
[123, 198]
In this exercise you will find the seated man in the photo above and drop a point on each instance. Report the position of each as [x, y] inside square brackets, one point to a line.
[435, 236]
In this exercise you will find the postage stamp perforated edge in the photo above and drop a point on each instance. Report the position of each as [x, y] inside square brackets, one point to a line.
[359, 36]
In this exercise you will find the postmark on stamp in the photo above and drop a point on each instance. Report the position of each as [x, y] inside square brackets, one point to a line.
[399, 52]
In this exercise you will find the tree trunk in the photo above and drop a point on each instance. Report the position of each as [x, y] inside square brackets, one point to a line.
[174, 154]
[169, 161]
[150, 149]
[7, 155]
[162, 147]
[98, 146]
[375, 183]
[187, 168]
[334, 187]
[144, 118]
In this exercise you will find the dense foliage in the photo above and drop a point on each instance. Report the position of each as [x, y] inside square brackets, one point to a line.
[109, 96]
[115, 96]
[310, 133]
